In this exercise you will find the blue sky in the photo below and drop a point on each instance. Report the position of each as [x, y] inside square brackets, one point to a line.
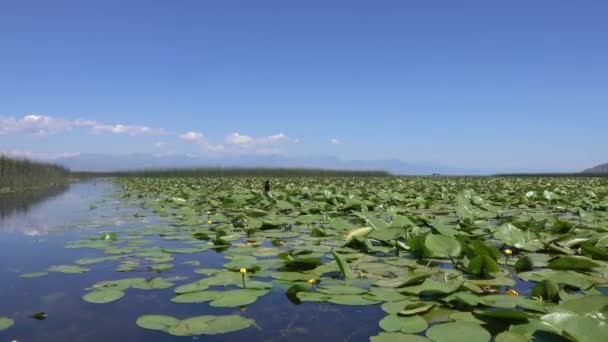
[506, 86]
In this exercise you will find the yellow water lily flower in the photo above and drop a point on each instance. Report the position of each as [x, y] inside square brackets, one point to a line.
[243, 308]
[508, 251]
[511, 292]
[312, 281]
[243, 270]
[208, 213]
[209, 222]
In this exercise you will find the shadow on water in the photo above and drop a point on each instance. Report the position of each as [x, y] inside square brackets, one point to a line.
[21, 202]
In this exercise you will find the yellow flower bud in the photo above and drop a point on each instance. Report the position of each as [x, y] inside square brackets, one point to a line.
[209, 222]
[243, 270]
[508, 251]
[312, 281]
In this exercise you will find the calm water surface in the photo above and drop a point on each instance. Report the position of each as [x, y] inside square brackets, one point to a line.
[34, 229]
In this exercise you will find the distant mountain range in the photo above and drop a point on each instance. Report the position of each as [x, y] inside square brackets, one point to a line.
[106, 162]
[600, 169]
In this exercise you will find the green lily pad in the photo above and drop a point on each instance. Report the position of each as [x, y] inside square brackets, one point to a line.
[197, 297]
[571, 262]
[351, 300]
[457, 332]
[397, 337]
[69, 269]
[210, 325]
[6, 323]
[199, 285]
[340, 289]
[103, 296]
[157, 322]
[33, 275]
[237, 297]
[408, 325]
[443, 246]
[416, 308]
[343, 265]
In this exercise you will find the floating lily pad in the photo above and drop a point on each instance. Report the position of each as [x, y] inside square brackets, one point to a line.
[69, 269]
[210, 325]
[33, 275]
[409, 325]
[397, 337]
[157, 322]
[6, 323]
[457, 332]
[103, 296]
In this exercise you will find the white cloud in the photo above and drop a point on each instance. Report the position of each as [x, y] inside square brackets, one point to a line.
[335, 141]
[246, 141]
[201, 140]
[126, 129]
[192, 136]
[160, 144]
[39, 125]
[238, 139]
[42, 125]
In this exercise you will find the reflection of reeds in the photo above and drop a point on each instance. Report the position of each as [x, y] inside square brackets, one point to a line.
[236, 172]
[16, 173]
[21, 201]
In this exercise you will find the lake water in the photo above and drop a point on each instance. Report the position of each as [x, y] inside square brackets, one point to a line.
[34, 229]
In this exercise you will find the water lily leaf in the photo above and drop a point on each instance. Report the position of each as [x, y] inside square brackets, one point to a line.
[199, 285]
[351, 300]
[504, 315]
[210, 325]
[507, 336]
[6, 323]
[157, 322]
[343, 265]
[432, 287]
[570, 278]
[510, 235]
[340, 289]
[312, 296]
[571, 262]
[409, 325]
[547, 290]
[416, 308]
[524, 264]
[397, 337]
[197, 297]
[457, 332]
[233, 299]
[357, 233]
[483, 265]
[403, 281]
[33, 275]
[69, 269]
[442, 246]
[103, 296]
[500, 301]
[577, 327]
[586, 304]
[160, 267]
[385, 294]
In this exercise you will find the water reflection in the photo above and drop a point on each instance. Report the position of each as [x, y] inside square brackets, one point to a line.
[35, 212]
[20, 202]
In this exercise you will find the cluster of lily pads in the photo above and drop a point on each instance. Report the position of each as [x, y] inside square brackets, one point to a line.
[447, 259]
